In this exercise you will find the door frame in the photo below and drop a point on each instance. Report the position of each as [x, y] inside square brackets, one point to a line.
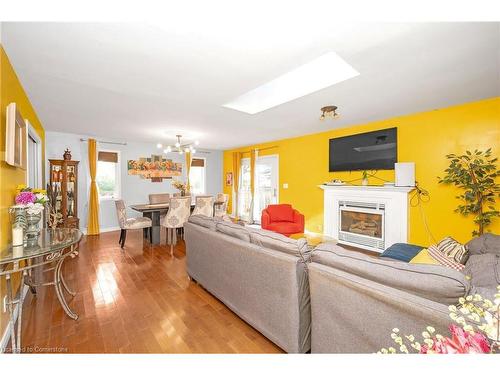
[39, 151]
[270, 156]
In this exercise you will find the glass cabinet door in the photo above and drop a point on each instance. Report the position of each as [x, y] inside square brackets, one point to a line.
[70, 190]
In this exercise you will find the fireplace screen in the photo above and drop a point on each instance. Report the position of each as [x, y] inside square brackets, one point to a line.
[367, 224]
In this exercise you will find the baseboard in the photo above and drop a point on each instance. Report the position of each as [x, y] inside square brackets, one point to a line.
[6, 334]
[103, 230]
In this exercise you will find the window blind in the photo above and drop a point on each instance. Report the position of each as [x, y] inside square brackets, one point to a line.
[111, 157]
[198, 163]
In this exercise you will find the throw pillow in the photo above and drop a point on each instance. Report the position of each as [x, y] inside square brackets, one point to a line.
[453, 250]
[443, 259]
[402, 251]
[280, 212]
[423, 257]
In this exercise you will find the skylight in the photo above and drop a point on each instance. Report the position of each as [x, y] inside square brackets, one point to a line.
[313, 76]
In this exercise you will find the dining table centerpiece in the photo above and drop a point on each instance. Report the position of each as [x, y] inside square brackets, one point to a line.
[32, 202]
[181, 186]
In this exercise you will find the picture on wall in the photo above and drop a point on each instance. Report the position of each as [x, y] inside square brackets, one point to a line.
[229, 179]
[155, 168]
[15, 138]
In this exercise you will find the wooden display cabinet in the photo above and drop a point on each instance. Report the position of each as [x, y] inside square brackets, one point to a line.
[64, 177]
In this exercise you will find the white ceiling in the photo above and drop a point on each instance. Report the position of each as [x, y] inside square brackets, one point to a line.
[148, 82]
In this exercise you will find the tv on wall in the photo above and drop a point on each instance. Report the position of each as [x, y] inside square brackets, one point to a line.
[366, 151]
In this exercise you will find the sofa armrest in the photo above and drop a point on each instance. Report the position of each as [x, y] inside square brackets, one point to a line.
[265, 219]
[298, 218]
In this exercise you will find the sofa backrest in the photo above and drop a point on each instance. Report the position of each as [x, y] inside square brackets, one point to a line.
[434, 282]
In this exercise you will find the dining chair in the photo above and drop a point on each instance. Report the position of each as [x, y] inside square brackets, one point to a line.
[179, 209]
[130, 223]
[159, 198]
[204, 205]
[220, 206]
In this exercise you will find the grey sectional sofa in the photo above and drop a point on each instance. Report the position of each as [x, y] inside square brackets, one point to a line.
[356, 300]
[259, 275]
[330, 300]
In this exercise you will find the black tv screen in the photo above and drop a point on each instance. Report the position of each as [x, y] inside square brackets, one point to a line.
[367, 151]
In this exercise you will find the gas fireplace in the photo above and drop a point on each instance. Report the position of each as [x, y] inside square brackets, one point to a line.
[361, 224]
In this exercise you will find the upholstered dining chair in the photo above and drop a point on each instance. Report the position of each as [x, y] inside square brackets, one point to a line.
[130, 223]
[159, 198]
[220, 206]
[179, 209]
[204, 205]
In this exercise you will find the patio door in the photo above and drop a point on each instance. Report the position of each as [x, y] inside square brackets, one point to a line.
[266, 187]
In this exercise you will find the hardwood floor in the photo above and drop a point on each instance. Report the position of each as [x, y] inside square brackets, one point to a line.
[135, 300]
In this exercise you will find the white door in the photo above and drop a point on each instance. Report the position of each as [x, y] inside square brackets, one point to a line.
[266, 186]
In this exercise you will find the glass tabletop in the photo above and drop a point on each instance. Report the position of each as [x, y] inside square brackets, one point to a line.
[50, 240]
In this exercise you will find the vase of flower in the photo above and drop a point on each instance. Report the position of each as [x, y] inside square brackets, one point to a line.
[32, 203]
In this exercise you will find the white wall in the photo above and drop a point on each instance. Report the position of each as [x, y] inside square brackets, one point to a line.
[134, 190]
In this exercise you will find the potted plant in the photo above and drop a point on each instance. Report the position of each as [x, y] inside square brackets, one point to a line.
[181, 186]
[364, 180]
[476, 173]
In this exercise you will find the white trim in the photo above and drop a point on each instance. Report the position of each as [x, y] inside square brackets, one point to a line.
[39, 146]
[6, 334]
[102, 230]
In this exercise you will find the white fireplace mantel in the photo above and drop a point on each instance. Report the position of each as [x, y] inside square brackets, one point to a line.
[394, 198]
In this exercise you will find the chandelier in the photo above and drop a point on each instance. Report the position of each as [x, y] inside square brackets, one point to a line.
[329, 111]
[179, 147]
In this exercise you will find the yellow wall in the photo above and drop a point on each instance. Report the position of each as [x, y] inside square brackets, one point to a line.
[424, 138]
[11, 90]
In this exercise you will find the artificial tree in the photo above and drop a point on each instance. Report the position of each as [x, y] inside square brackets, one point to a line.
[475, 173]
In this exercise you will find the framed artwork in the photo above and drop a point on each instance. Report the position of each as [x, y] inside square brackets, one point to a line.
[155, 168]
[16, 139]
[229, 179]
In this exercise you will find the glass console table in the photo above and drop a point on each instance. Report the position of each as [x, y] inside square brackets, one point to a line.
[53, 247]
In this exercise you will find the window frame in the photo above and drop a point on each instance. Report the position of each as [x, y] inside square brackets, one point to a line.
[118, 176]
[204, 173]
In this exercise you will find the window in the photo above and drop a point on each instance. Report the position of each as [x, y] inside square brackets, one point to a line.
[197, 176]
[108, 174]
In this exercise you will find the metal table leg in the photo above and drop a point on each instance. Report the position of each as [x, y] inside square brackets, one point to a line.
[59, 292]
[10, 307]
[155, 217]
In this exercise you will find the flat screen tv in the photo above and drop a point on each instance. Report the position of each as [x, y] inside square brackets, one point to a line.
[366, 151]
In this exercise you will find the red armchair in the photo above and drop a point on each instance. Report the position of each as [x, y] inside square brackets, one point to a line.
[282, 218]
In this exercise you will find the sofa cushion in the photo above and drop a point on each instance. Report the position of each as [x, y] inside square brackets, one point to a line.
[423, 257]
[486, 243]
[453, 250]
[402, 251]
[484, 273]
[434, 282]
[279, 242]
[285, 227]
[233, 230]
[204, 221]
[280, 212]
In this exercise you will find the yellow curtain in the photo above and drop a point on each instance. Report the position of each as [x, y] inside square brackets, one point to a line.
[236, 179]
[253, 154]
[188, 168]
[93, 218]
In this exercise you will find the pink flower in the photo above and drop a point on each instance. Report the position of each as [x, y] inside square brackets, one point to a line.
[25, 197]
[461, 342]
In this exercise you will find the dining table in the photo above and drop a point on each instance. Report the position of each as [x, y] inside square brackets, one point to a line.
[154, 212]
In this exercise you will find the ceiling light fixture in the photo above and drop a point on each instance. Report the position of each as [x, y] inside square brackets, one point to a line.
[313, 76]
[179, 147]
[329, 111]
